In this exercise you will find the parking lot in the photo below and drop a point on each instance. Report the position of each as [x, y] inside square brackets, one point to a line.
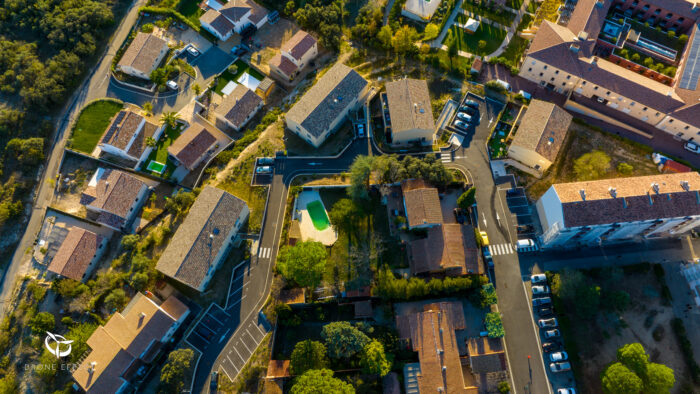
[208, 328]
[263, 171]
[520, 207]
[212, 62]
[557, 379]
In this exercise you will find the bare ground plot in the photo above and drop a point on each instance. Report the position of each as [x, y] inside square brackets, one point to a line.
[270, 38]
[582, 140]
[596, 341]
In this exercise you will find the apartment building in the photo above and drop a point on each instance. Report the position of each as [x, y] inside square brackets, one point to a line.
[586, 60]
[622, 209]
[410, 118]
[294, 55]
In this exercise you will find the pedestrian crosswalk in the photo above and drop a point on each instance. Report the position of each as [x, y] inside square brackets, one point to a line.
[264, 253]
[446, 157]
[500, 249]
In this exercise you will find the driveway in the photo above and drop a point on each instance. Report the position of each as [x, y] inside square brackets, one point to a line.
[212, 62]
[168, 100]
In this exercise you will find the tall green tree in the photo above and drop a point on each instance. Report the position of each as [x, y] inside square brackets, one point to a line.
[308, 355]
[42, 322]
[320, 381]
[618, 379]
[634, 357]
[578, 295]
[373, 359]
[169, 118]
[303, 263]
[360, 173]
[467, 199]
[343, 340]
[591, 165]
[431, 31]
[659, 379]
[172, 376]
[345, 213]
[404, 40]
[385, 36]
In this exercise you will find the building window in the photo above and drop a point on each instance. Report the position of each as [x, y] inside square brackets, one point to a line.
[551, 79]
[545, 67]
[541, 74]
[595, 88]
[670, 121]
[657, 114]
[556, 72]
[534, 62]
[608, 93]
[686, 127]
[529, 69]
[563, 84]
[669, 16]
[583, 83]
[568, 77]
[632, 104]
[644, 109]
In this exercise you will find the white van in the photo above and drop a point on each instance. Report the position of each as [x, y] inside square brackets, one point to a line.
[525, 243]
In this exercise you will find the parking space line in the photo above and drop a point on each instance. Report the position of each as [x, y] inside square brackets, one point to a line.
[261, 331]
[251, 335]
[199, 335]
[236, 303]
[239, 354]
[246, 346]
[236, 291]
[221, 366]
[214, 317]
[234, 365]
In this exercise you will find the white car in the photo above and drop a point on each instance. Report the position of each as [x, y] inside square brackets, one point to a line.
[464, 117]
[552, 334]
[461, 125]
[537, 290]
[566, 391]
[558, 356]
[547, 323]
[560, 367]
[172, 85]
[692, 146]
[263, 170]
[538, 278]
[192, 50]
[525, 243]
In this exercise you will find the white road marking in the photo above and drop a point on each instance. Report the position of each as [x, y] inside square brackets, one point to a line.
[235, 303]
[246, 346]
[234, 365]
[224, 336]
[251, 335]
[239, 354]
[261, 331]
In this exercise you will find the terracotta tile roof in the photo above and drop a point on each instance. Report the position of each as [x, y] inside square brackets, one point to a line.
[363, 291]
[431, 330]
[112, 191]
[194, 142]
[409, 105]
[202, 234]
[486, 355]
[235, 10]
[143, 52]
[635, 199]
[121, 341]
[75, 253]
[450, 247]
[217, 21]
[265, 84]
[422, 205]
[299, 44]
[238, 105]
[588, 17]
[681, 7]
[278, 369]
[327, 99]
[283, 64]
[543, 129]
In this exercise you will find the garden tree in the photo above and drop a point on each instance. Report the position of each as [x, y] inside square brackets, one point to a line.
[139, 281]
[343, 340]
[574, 290]
[385, 36]
[360, 172]
[452, 50]
[286, 316]
[130, 241]
[196, 89]
[232, 69]
[172, 375]
[290, 7]
[431, 31]
[494, 325]
[618, 379]
[659, 379]
[488, 295]
[148, 107]
[116, 299]
[181, 202]
[634, 357]
[467, 199]
[151, 142]
[655, 378]
[617, 300]
[324, 19]
[9, 383]
[624, 168]
[28, 151]
[159, 76]
[367, 24]
[303, 263]
[373, 359]
[482, 45]
[42, 322]
[591, 165]
[682, 38]
[169, 119]
[147, 28]
[79, 334]
[47, 375]
[68, 288]
[11, 120]
[404, 40]
[320, 381]
[345, 213]
[308, 355]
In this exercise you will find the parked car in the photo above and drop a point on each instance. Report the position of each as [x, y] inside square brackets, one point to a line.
[263, 170]
[538, 278]
[558, 356]
[172, 85]
[239, 50]
[361, 131]
[567, 390]
[525, 243]
[547, 323]
[461, 125]
[487, 256]
[471, 103]
[692, 146]
[468, 110]
[464, 117]
[550, 347]
[266, 161]
[214, 382]
[541, 301]
[459, 216]
[545, 312]
[560, 367]
[192, 50]
[484, 238]
[537, 290]
[552, 334]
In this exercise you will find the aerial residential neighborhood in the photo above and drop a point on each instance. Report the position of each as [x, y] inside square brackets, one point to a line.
[370, 196]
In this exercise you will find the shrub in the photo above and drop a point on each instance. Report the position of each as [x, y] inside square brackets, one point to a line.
[686, 348]
[494, 325]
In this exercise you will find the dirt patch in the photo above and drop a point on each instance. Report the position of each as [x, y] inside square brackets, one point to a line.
[581, 140]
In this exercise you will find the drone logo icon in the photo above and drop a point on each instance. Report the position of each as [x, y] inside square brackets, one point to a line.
[58, 340]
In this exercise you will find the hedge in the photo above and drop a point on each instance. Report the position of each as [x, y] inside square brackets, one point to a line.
[172, 13]
[686, 349]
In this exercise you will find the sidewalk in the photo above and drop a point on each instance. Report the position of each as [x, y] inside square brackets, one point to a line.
[436, 43]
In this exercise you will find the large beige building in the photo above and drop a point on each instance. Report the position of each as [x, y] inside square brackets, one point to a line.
[582, 60]
[325, 106]
[410, 112]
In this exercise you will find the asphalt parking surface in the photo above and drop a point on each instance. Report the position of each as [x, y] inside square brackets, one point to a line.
[212, 62]
[207, 327]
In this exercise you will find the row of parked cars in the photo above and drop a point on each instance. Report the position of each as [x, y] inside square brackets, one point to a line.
[546, 320]
[468, 114]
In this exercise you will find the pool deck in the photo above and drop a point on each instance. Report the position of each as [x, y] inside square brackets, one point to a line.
[308, 231]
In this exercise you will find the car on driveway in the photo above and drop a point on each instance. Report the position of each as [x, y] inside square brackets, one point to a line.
[558, 356]
[471, 103]
[541, 301]
[538, 290]
[538, 278]
[266, 161]
[468, 110]
[464, 117]
[567, 390]
[550, 347]
[361, 131]
[214, 382]
[239, 50]
[560, 367]
[552, 334]
[547, 323]
[461, 125]
[192, 50]
[172, 85]
[263, 170]
[692, 146]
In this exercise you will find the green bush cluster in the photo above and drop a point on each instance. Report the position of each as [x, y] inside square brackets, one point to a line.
[647, 61]
[171, 13]
[390, 287]
[494, 325]
[686, 348]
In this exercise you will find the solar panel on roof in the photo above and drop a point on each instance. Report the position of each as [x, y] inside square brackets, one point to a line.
[691, 73]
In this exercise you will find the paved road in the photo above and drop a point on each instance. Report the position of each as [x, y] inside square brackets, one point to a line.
[89, 90]
[528, 376]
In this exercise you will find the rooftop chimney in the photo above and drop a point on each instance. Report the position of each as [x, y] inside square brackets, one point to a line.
[583, 194]
[444, 368]
[613, 192]
[685, 185]
[582, 35]
[92, 366]
[142, 315]
[574, 47]
[655, 187]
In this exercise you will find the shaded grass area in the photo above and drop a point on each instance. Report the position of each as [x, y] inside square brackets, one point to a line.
[469, 42]
[92, 123]
[497, 15]
[515, 49]
[226, 76]
[190, 10]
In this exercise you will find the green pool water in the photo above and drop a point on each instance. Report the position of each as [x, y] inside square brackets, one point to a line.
[156, 167]
[318, 215]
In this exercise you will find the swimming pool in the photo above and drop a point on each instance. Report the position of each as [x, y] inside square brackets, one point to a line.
[318, 215]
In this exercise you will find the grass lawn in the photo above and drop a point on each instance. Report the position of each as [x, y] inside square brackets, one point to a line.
[493, 37]
[226, 76]
[190, 9]
[160, 153]
[515, 4]
[515, 49]
[92, 123]
[501, 16]
[548, 11]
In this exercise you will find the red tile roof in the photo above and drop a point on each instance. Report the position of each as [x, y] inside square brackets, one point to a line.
[75, 253]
